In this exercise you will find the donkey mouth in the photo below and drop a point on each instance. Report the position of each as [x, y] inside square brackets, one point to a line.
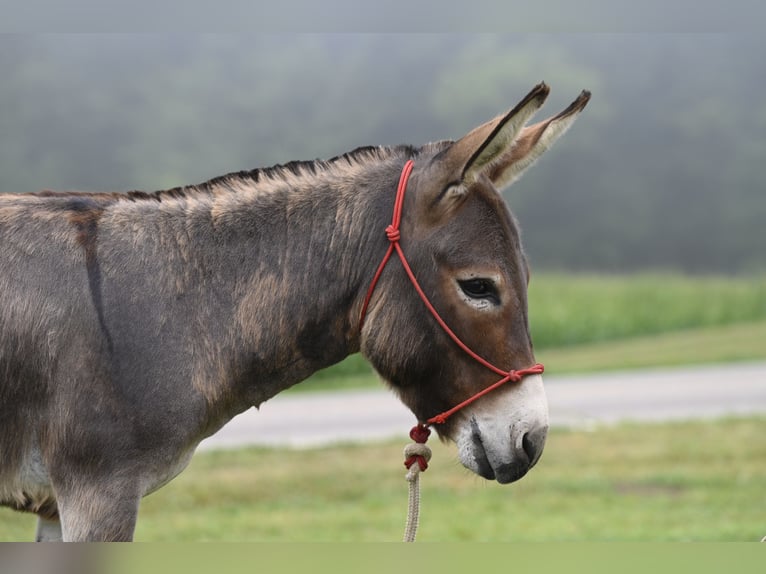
[503, 472]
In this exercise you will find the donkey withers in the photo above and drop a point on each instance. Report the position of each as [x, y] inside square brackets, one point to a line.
[134, 325]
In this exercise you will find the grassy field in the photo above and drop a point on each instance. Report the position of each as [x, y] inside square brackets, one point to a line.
[576, 309]
[723, 344]
[701, 481]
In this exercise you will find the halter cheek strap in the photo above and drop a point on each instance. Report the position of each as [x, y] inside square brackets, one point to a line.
[394, 235]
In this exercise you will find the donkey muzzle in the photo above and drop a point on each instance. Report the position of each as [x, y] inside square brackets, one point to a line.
[504, 438]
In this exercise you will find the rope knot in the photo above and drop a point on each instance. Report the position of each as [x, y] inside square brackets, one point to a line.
[439, 419]
[416, 453]
[514, 376]
[393, 234]
[420, 433]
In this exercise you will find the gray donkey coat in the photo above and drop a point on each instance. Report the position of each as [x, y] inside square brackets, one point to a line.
[134, 325]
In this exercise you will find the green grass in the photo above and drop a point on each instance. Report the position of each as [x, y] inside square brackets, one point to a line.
[724, 344]
[702, 481]
[576, 309]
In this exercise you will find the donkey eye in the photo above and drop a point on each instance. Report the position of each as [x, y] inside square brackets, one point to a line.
[480, 289]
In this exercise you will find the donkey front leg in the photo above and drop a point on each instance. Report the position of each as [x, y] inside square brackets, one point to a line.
[48, 529]
[98, 513]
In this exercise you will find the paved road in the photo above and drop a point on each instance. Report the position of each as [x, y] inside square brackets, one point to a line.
[311, 419]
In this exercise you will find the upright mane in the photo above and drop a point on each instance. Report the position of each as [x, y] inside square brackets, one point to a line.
[279, 173]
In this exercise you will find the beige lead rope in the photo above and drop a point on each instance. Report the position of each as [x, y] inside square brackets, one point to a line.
[414, 452]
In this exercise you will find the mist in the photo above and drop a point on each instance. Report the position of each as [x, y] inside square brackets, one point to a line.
[664, 170]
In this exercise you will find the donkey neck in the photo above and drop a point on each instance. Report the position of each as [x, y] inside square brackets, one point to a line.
[299, 250]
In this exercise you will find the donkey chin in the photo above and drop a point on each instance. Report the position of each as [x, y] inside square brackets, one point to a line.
[504, 438]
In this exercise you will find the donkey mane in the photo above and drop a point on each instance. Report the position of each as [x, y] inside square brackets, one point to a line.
[278, 173]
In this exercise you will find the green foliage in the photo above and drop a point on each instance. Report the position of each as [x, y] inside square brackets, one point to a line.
[700, 481]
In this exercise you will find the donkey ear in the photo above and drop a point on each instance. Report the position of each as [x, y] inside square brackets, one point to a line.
[475, 152]
[531, 143]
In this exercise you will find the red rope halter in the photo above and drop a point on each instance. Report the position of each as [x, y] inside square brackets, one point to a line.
[420, 432]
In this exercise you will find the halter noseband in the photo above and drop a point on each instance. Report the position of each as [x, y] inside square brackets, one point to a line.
[421, 431]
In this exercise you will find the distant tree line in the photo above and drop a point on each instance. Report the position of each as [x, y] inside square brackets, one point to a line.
[664, 170]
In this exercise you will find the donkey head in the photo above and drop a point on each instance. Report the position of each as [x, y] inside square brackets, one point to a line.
[464, 247]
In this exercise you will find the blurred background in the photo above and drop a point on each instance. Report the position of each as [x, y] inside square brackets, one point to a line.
[665, 171]
[644, 227]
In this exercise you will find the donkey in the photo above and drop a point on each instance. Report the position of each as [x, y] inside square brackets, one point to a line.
[132, 326]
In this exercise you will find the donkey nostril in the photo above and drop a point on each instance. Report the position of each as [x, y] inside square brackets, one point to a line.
[528, 446]
[533, 443]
